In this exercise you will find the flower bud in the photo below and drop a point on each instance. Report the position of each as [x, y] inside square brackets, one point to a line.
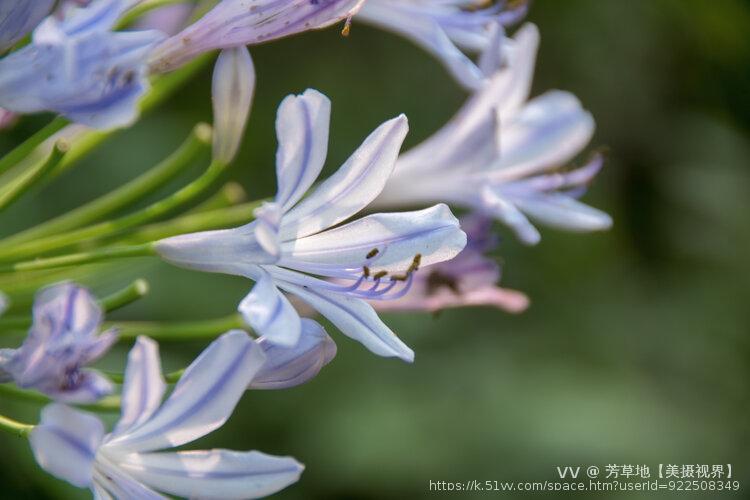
[232, 93]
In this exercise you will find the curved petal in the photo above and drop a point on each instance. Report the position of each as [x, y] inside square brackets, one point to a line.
[302, 127]
[352, 187]
[355, 318]
[289, 367]
[494, 203]
[65, 443]
[214, 473]
[271, 314]
[564, 212]
[384, 242]
[143, 387]
[548, 132]
[110, 477]
[203, 399]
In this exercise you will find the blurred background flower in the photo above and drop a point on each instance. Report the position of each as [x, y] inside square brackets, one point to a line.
[635, 348]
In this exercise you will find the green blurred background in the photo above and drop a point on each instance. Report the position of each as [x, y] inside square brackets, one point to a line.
[636, 349]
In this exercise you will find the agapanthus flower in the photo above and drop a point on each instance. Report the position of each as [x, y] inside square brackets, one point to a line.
[80, 68]
[131, 463]
[233, 23]
[64, 337]
[450, 30]
[287, 367]
[469, 279]
[297, 244]
[503, 155]
[18, 17]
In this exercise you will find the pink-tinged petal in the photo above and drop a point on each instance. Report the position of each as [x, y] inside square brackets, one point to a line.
[232, 90]
[352, 187]
[383, 242]
[505, 299]
[270, 314]
[355, 318]
[203, 399]
[287, 367]
[302, 127]
[143, 387]
[65, 443]
[214, 473]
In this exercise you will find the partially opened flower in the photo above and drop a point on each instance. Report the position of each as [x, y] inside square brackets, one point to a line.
[80, 68]
[505, 156]
[18, 17]
[233, 23]
[63, 339]
[469, 279]
[130, 462]
[449, 29]
[297, 243]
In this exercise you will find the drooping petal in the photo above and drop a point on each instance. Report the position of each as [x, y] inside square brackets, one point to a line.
[233, 86]
[352, 187]
[65, 443]
[270, 314]
[18, 17]
[214, 473]
[287, 367]
[244, 22]
[384, 242]
[143, 387]
[202, 400]
[355, 318]
[302, 125]
[564, 212]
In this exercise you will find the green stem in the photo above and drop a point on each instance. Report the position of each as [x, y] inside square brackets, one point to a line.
[229, 195]
[13, 427]
[16, 188]
[143, 8]
[136, 290]
[141, 186]
[214, 219]
[107, 404]
[76, 259]
[25, 148]
[178, 331]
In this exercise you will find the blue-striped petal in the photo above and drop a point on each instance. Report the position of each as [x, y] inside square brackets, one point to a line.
[270, 314]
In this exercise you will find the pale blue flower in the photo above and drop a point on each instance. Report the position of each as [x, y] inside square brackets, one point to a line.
[233, 86]
[291, 366]
[233, 23]
[78, 67]
[504, 155]
[450, 30]
[18, 17]
[63, 339]
[469, 279]
[130, 462]
[296, 243]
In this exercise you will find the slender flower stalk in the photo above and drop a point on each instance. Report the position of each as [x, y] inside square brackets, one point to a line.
[296, 241]
[130, 462]
[17, 187]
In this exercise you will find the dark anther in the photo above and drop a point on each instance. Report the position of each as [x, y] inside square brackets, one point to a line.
[380, 274]
[366, 271]
[372, 253]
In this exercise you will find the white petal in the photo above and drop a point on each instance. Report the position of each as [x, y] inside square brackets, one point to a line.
[144, 386]
[395, 238]
[549, 131]
[232, 92]
[564, 212]
[203, 399]
[495, 204]
[289, 367]
[352, 187]
[271, 314]
[65, 443]
[355, 318]
[214, 473]
[302, 127]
